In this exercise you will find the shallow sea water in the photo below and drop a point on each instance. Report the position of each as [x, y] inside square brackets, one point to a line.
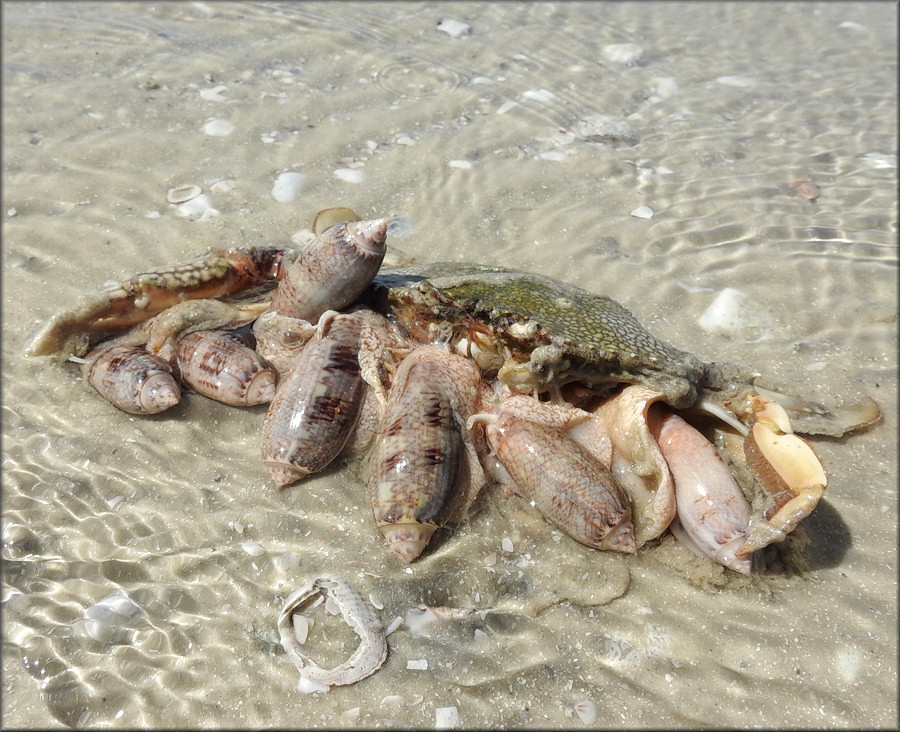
[467, 142]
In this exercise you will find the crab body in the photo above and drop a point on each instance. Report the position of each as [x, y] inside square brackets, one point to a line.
[454, 373]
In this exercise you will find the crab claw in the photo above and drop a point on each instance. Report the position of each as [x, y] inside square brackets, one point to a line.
[787, 469]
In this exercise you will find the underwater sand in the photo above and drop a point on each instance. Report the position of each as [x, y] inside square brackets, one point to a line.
[475, 143]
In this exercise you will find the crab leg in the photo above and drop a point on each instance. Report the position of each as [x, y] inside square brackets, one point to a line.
[219, 273]
[421, 458]
[712, 513]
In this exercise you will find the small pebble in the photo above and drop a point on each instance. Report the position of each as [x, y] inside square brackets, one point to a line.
[454, 28]
[627, 54]
[218, 128]
[608, 130]
[287, 186]
[643, 212]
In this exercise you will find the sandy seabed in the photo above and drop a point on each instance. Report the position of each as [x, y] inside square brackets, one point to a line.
[469, 125]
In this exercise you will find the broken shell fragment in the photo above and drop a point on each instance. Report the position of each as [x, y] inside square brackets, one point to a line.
[328, 217]
[180, 194]
[356, 612]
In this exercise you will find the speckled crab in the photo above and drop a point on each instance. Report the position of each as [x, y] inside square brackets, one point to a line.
[446, 374]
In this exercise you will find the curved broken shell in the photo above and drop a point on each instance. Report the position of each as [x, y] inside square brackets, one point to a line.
[328, 217]
[181, 194]
[356, 612]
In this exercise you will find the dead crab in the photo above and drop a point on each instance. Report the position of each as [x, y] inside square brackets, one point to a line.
[451, 373]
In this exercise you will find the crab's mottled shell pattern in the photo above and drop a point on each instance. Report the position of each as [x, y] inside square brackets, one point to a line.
[601, 341]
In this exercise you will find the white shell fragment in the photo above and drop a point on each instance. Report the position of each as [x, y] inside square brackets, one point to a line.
[446, 718]
[216, 94]
[349, 175]
[586, 711]
[287, 186]
[218, 128]
[109, 619]
[356, 612]
[627, 54]
[196, 207]
[253, 548]
[643, 212]
[735, 314]
[454, 28]
[180, 194]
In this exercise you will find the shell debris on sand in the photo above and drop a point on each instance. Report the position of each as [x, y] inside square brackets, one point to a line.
[181, 194]
[198, 208]
[109, 620]
[735, 314]
[627, 54]
[287, 186]
[349, 175]
[586, 711]
[218, 128]
[454, 28]
[607, 130]
[369, 656]
[643, 212]
[446, 718]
